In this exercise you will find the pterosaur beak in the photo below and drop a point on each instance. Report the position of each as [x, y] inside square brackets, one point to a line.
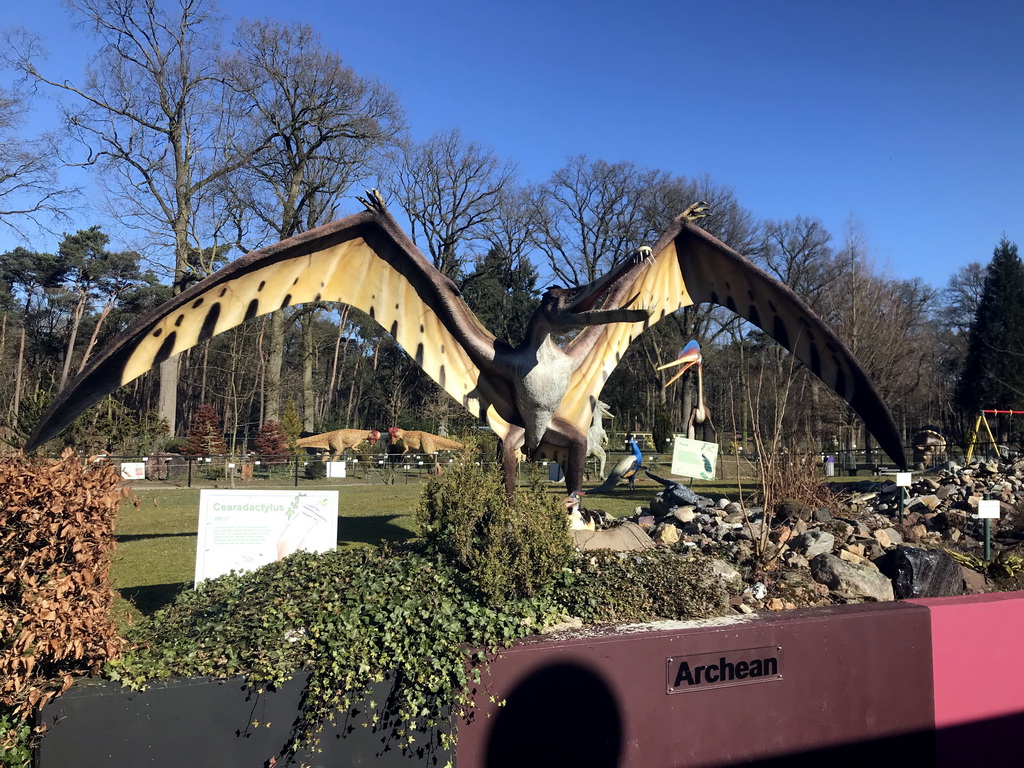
[689, 357]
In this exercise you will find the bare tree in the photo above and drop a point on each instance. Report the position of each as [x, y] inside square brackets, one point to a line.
[885, 322]
[591, 213]
[151, 116]
[450, 189]
[326, 123]
[798, 252]
[30, 190]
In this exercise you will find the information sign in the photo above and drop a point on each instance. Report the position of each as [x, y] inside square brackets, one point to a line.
[133, 470]
[988, 508]
[242, 530]
[694, 458]
[336, 469]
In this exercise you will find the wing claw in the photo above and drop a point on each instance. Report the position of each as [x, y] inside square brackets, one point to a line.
[373, 201]
[696, 211]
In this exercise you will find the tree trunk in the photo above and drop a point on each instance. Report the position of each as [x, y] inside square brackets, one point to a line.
[69, 352]
[275, 338]
[18, 373]
[167, 403]
[308, 395]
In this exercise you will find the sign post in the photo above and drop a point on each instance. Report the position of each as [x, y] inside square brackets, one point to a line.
[903, 481]
[988, 509]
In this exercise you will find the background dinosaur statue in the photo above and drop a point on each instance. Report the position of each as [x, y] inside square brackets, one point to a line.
[421, 442]
[597, 438]
[338, 441]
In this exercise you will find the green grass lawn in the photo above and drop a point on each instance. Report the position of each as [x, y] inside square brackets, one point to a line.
[156, 550]
[156, 541]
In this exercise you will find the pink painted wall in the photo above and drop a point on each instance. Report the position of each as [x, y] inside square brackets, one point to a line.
[978, 671]
[978, 656]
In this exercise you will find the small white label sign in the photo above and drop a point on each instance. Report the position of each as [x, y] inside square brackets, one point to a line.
[988, 508]
[133, 470]
[242, 530]
[336, 469]
[903, 479]
[694, 458]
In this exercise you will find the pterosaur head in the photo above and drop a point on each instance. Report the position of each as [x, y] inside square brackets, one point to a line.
[563, 309]
[689, 357]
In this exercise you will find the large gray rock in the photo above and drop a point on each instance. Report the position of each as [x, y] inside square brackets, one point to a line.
[813, 543]
[851, 579]
[925, 573]
[625, 537]
[726, 572]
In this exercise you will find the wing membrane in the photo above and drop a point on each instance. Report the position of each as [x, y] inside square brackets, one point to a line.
[690, 266]
[363, 260]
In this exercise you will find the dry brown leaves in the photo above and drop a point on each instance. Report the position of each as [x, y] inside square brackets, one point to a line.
[56, 544]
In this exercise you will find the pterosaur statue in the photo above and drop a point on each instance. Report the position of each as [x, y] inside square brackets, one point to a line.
[539, 397]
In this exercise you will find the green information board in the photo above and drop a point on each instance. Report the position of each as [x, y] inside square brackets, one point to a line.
[694, 458]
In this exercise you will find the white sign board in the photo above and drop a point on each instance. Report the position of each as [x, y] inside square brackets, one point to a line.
[242, 530]
[903, 479]
[336, 469]
[988, 508]
[133, 470]
[694, 458]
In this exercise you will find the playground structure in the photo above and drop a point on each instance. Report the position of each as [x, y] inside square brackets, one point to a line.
[982, 421]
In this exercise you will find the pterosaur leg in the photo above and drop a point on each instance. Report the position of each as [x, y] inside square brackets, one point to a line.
[510, 457]
[564, 433]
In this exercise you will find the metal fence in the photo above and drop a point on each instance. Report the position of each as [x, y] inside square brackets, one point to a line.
[390, 469]
[208, 471]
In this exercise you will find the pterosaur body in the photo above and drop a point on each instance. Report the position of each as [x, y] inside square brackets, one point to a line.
[538, 397]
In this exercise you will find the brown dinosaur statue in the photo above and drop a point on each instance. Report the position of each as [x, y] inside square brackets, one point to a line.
[338, 441]
[421, 442]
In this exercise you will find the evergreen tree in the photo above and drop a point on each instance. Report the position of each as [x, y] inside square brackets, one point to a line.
[993, 371]
[205, 437]
[502, 291]
[272, 443]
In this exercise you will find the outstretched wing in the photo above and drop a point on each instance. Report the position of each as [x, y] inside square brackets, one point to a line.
[363, 260]
[690, 266]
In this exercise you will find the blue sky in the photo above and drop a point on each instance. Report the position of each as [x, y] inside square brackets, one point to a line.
[907, 117]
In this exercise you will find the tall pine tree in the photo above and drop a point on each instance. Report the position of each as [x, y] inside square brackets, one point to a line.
[993, 372]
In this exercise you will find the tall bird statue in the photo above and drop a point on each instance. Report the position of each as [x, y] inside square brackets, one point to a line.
[538, 397]
[700, 415]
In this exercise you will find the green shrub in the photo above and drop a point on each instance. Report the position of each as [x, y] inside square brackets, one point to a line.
[315, 470]
[661, 429]
[610, 586]
[15, 742]
[175, 445]
[509, 549]
[354, 618]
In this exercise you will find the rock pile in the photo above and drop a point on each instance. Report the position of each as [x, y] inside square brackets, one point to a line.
[856, 549]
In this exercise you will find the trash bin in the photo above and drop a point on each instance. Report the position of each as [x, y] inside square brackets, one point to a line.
[830, 466]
